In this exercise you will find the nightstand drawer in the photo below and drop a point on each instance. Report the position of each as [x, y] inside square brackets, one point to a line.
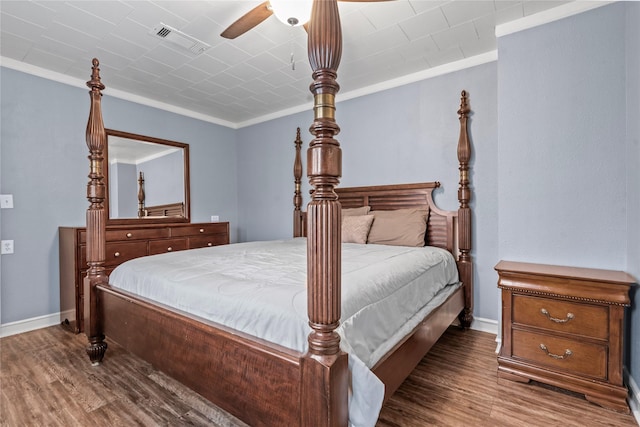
[564, 354]
[562, 316]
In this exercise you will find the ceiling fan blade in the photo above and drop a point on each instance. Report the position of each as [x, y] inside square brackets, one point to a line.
[248, 21]
[364, 1]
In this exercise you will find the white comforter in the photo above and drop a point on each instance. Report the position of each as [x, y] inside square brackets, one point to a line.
[260, 288]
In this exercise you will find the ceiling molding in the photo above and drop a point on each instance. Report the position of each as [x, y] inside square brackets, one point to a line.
[120, 94]
[389, 84]
[547, 16]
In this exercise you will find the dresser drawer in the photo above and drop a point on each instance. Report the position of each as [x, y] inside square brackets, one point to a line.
[117, 253]
[137, 234]
[204, 241]
[563, 354]
[200, 229]
[562, 316]
[167, 245]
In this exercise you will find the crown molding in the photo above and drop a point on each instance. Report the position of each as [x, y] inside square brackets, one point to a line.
[368, 90]
[389, 84]
[116, 93]
[564, 11]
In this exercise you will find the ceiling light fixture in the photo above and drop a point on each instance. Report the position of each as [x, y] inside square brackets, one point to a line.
[292, 12]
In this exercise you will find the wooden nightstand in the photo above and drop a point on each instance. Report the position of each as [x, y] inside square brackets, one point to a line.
[564, 326]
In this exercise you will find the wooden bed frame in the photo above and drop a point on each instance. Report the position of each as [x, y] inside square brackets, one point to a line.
[262, 383]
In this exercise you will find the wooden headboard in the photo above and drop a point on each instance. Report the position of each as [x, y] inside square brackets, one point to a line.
[440, 224]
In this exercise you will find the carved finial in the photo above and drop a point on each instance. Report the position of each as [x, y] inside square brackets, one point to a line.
[141, 195]
[95, 83]
[464, 147]
[297, 195]
[464, 106]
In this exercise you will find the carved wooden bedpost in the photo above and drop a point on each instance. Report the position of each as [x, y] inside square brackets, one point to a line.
[325, 365]
[297, 195]
[141, 195]
[465, 263]
[96, 220]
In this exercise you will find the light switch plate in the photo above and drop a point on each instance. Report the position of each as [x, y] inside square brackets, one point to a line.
[6, 246]
[6, 201]
[215, 218]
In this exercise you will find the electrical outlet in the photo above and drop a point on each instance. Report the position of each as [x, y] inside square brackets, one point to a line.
[215, 218]
[7, 247]
[6, 201]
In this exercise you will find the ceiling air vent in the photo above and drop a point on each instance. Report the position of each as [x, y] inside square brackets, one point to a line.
[179, 38]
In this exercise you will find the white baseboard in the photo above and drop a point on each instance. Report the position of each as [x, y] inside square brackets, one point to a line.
[34, 323]
[634, 395]
[485, 325]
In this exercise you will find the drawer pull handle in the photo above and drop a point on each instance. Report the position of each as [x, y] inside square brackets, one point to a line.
[566, 354]
[117, 254]
[202, 230]
[555, 319]
[209, 244]
[129, 235]
[169, 249]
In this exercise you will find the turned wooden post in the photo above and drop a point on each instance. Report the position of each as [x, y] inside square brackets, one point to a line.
[96, 220]
[325, 402]
[141, 195]
[297, 194]
[465, 263]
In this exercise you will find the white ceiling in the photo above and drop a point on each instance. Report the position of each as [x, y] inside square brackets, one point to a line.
[248, 79]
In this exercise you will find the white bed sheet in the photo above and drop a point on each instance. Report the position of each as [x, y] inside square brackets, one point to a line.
[260, 288]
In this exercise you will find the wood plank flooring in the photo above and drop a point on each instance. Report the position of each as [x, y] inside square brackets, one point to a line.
[46, 380]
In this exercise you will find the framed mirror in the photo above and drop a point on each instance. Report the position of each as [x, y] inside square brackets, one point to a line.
[146, 178]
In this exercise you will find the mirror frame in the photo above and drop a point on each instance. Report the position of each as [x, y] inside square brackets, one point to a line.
[146, 220]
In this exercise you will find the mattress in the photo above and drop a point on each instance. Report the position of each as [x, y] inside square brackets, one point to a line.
[260, 288]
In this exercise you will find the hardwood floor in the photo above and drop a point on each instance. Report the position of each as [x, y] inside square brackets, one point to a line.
[46, 380]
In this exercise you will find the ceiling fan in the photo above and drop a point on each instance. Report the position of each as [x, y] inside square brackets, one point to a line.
[290, 12]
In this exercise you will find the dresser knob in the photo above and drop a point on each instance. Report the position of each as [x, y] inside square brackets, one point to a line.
[209, 244]
[129, 235]
[202, 230]
[566, 354]
[117, 254]
[555, 319]
[169, 249]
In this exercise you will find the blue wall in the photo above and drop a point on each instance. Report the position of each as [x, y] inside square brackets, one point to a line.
[44, 165]
[562, 151]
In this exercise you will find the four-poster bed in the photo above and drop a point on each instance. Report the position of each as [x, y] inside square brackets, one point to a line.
[261, 382]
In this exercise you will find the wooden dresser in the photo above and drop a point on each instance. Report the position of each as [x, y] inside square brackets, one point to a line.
[124, 243]
[564, 326]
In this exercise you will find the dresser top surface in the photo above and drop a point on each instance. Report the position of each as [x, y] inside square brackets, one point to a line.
[578, 273]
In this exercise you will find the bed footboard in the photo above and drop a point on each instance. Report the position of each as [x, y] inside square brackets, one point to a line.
[256, 381]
